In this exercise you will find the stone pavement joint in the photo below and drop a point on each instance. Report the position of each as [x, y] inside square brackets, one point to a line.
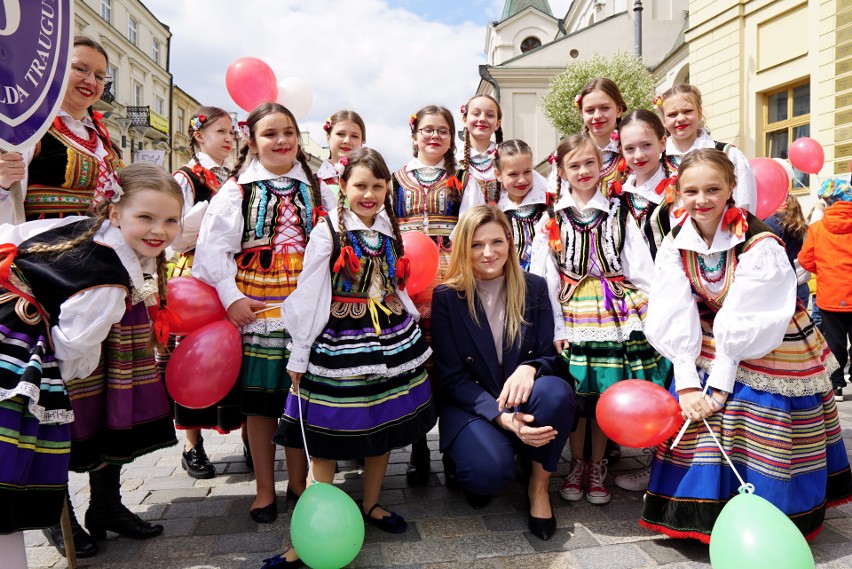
[207, 524]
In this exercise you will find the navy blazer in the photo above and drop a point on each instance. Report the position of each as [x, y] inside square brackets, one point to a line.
[466, 358]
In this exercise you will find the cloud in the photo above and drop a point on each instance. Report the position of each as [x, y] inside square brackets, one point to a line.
[382, 61]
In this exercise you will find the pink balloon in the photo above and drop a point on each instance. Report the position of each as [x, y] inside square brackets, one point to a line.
[205, 365]
[251, 82]
[194, 302]
[772, 185]
[423, 254]
[807, 155]
[637, 413]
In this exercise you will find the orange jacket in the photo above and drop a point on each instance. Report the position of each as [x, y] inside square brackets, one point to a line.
[827, 253]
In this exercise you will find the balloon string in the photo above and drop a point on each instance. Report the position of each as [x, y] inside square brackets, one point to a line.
[687, 422]
[304, 438]
[727, 458]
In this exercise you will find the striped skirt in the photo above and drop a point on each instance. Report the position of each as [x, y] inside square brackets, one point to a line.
[366, 391]
[264, 381]
[607, 344]
[35, 435]
[789, 448]
[122, 410]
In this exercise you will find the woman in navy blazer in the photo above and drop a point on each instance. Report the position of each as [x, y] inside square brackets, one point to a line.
[497, 404]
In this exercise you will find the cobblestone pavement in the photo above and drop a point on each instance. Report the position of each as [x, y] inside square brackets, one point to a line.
[207, 524]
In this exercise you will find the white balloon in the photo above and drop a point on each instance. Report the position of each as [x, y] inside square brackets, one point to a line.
[787, 167]
[295, 94]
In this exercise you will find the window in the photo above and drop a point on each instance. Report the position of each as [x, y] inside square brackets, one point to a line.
[106, 10]
[160, 104]
[131, 29]
[113, 86]
[138, 95]
[787, 116]
[155, 50]
[180, 120]
[531, 42]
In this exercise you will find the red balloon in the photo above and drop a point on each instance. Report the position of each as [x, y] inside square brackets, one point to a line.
[807, 155]
[194, 302]
[772, 185]
[638, 414]
[423, 254]
[251, 82]
[205, 365]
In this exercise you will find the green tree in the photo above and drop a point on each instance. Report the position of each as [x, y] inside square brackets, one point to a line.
[629, 73]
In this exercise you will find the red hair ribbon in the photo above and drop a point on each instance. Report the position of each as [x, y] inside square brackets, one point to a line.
[347, 259]
[206, 175]
[549, 198]
[662, 186]
[403, 271]
[670, 189]
[622, 166]
[8, 251]
[735, 220]
[678, 212]
[552, 158]
[616, 188]
[319, 211]
[164, 320]
[553, 238]
[454, 182]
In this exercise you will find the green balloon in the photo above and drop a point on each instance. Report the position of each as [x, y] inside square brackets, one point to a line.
[327, 529]
[752, 533]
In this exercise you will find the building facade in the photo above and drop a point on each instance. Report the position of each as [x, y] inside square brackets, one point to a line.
[529, 46]
[137, 104]
[771, 71]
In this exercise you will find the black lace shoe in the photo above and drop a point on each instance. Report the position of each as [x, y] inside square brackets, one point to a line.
[196, 463]
[121, 521]
[84, 545]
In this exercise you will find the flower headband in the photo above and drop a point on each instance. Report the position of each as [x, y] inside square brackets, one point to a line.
[412, 120]
[578, 100]
[341, 165]
[198, 122]
[658, 102]
[463, 110]
[553, 158]
[327, 126]
[113, 190]
[244, 131]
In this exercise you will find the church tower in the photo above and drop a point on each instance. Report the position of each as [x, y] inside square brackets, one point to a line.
[524, 25]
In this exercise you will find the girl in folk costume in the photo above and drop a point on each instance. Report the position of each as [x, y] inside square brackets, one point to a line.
[642, 138]
[79, 295]
[680, 108]
[747, 359]
[426, 195]
[521, 194]
[68, 170]
[211, 139]
[345, 132]
[481, 118]
[358, 356]
[250, 248]
[597, 266]
[601, 105]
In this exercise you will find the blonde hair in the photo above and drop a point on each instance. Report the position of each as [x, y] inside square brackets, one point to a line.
[464, 281]
[568, 147]
[715, 158]
[792, 219]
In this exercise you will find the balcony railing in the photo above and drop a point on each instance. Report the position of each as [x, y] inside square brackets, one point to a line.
[144, 116]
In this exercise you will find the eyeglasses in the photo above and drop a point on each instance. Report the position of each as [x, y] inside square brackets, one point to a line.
[429, 132]
[82, 73]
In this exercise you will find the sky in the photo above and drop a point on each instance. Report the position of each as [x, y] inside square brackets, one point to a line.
[384, 59]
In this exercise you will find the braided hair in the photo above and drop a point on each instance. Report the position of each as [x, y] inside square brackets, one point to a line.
[373, 161]
[498, 134]
[341, 116]
[610, 89]
[211, 115]
[508, 149]
[443, 112]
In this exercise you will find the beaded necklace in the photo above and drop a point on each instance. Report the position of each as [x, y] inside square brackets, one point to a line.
[362, 247]
[636, 210]
[718, 267]
[91, 144]
[424, 182]
[484, 164]
[584, 222]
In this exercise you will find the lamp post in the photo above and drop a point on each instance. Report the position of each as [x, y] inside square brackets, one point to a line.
[637, 26]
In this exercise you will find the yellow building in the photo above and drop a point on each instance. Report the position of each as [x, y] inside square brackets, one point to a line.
[773, 71]
[183, 107]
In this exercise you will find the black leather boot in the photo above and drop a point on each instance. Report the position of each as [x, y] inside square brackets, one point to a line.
[106, 512]
[196, 463]
[420, 463]
[84, 545]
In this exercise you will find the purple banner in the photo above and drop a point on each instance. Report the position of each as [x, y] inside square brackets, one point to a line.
[36, 38]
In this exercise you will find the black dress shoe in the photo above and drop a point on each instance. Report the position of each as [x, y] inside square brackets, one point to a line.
[278, 562]
[266, 514]
[542, 528]
[196, 463]
[123, 522]
[393, 523]
[84, 545]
